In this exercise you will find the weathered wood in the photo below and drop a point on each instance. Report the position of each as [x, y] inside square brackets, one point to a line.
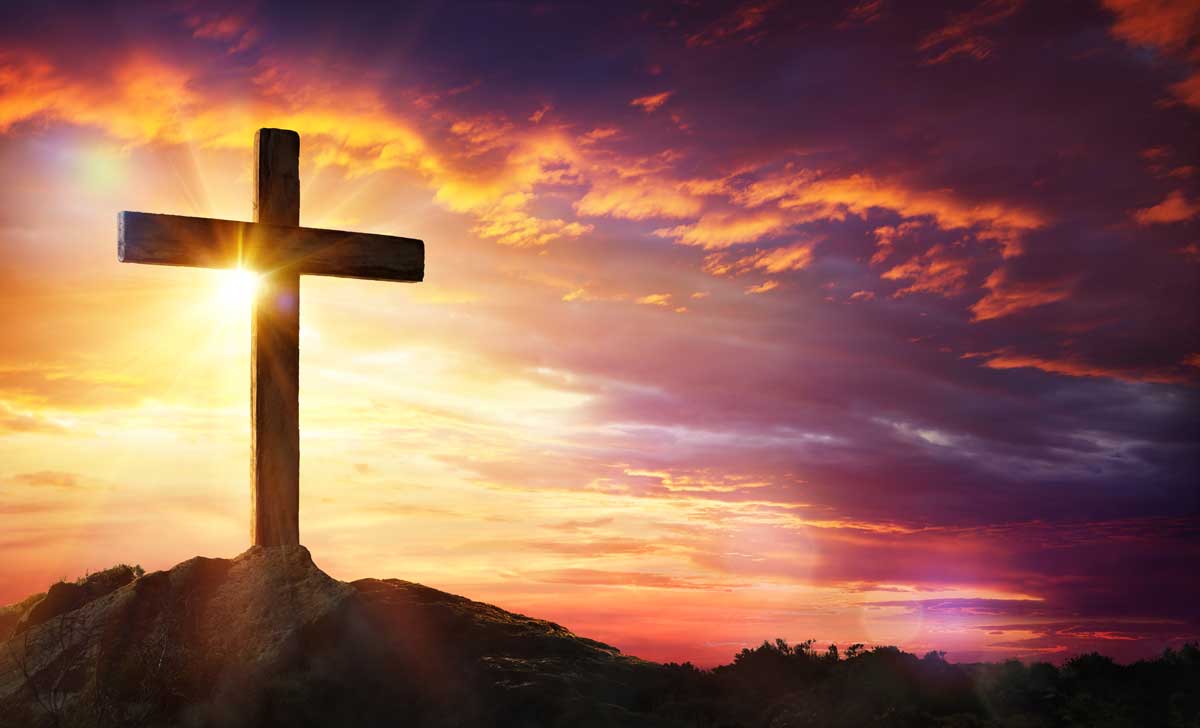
[277, 177]
[275, 352]
[203, 242]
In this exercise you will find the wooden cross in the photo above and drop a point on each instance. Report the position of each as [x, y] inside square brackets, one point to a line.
[278, 248]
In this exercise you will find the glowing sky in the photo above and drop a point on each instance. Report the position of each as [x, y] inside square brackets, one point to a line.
[872, 323]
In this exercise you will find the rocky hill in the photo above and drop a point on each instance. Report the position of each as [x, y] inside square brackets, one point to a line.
[267, 638]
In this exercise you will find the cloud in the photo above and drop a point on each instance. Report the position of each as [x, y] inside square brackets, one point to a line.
[655, 299]
[969, 606]
[1188, 90]
[1174, 208]
[598, 134]
[886, 237]
[720, 230]
[1168, 25]
[937, 270]
[154, 100]
[517, 228]
[744, 24]
[1073, 367]
[772, 260]
[581, 524]
[47, 479]
[773, 203]
[962, 36]
[15, 420]
[636, 199]
[866, 11]
[234, 29]
[763, 287]
[652, 102]
[1006, 297]
[626, 579]
[833, 197]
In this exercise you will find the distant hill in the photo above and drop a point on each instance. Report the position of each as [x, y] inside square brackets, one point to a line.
[268, 639]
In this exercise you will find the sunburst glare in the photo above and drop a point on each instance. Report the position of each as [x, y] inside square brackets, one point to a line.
[236, 289]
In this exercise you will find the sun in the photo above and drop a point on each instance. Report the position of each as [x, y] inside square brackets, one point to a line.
[236, 288]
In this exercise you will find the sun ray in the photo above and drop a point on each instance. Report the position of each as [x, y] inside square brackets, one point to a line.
[236, 289]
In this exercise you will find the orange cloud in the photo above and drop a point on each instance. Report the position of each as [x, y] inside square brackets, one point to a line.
[652, 102]
[516, 228]
[655, 299]
[722, 229]
[762, 287]
[858, 193]
[483, 133]
[1073, 368]
[934, 271]
[1169, 25]
[774, 260]
[145, 101]
[779, 260]
[806, 196]
[637, 199]
[886, 237]
[150, 100]
[1174, 208]
[597, 134]
[1005, 297]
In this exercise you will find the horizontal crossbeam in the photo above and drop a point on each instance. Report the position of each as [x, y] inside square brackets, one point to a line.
[209, 243]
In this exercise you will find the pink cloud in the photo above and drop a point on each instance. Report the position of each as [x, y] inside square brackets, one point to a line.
[652, 102]
[742, 25]
[962, 36]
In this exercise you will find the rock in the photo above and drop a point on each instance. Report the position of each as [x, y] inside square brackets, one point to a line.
[65, 597]
[267, 638]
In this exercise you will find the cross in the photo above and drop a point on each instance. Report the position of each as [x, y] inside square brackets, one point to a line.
[277, 247]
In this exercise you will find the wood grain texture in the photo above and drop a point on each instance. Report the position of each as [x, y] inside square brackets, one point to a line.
[275, 352]
[277, 177]
[203, 242]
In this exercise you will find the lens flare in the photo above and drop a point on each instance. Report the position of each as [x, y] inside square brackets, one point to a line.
[237, 288]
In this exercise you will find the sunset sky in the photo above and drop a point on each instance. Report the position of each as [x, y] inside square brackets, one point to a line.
[875, 322]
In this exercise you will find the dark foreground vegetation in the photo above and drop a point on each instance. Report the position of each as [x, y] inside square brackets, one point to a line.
[268, 639]
[782, 685]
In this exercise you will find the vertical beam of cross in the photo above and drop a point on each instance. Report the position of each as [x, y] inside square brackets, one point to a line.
[275, 353]
[275, 246]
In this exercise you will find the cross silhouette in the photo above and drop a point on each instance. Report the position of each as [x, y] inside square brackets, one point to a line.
[277, 247]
